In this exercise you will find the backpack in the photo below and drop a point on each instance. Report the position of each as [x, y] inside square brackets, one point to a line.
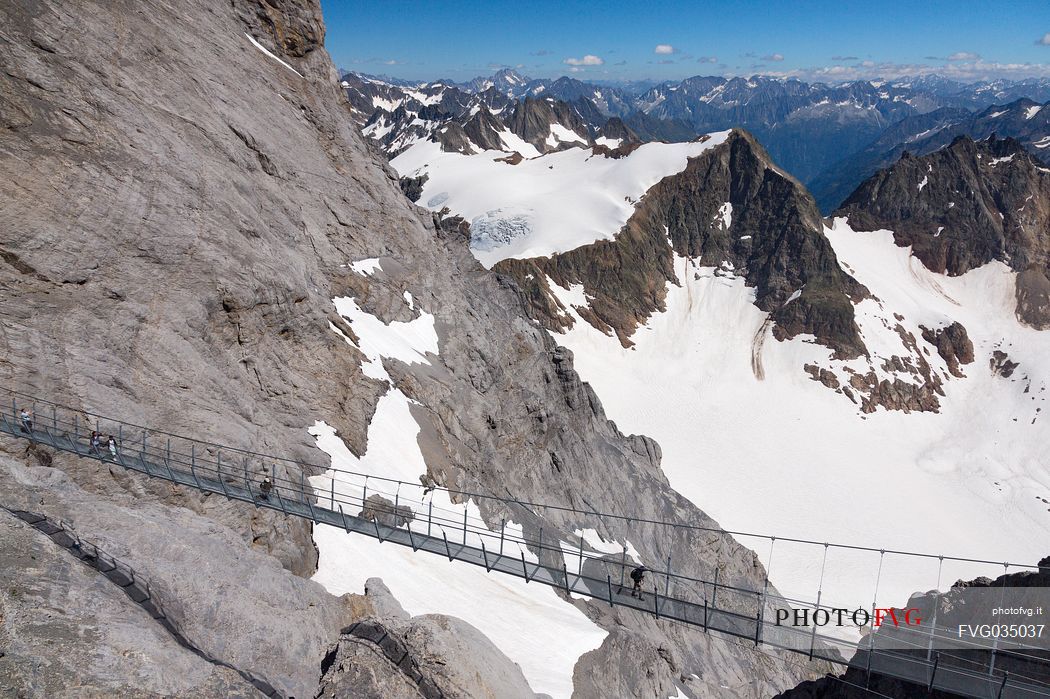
[637, 574]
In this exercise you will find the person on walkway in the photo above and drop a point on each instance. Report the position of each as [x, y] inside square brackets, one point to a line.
[638, 575]
[265, 487]
[96, 444]
[27, 421]
[112, 447]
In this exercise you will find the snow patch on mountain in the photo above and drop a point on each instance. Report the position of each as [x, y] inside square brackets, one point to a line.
[408, 342]
[725, 212]
[573, 196]
[529, 623]
[269, 53]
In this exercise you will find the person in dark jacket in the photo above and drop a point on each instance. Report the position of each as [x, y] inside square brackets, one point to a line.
[638, 575]
[265, 487]
[96, 444]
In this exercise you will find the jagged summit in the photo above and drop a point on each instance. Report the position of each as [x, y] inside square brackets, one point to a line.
[732, 209]
[964, 206]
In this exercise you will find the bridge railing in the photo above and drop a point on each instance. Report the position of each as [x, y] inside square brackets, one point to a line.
[745, 609]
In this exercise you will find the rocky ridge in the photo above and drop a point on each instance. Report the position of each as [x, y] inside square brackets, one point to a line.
[730, 209]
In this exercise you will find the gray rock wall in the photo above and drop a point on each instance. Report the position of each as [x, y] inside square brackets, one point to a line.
[180, 209]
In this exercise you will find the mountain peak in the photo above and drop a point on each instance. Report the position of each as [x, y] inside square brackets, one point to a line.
[963, 206]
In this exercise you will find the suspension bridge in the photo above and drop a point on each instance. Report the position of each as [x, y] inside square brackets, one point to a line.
[404, 514]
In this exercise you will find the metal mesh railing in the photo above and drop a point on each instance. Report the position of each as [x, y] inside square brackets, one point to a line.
[443, 522]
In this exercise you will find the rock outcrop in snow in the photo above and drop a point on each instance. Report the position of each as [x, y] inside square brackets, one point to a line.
[983, 201]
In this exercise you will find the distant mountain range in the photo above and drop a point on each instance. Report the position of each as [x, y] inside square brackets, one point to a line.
[830, 136]
[1025, 120]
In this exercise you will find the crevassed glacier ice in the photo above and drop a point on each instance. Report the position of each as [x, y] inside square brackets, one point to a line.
[498, 227]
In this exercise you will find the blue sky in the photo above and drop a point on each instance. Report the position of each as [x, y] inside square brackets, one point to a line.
[610, 40]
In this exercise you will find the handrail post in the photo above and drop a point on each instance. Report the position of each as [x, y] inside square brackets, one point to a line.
[485, 555]
[76, 437]
[565, 572]
[448, 550]
[608, 581]
[667, 578]
[193, 464]
[430, 515]
[933, 675]
[465, 509]
[218, 469]
[705, 613]
[411, 538]
[623, 562]
[333, 493]
[656, 600]
[343, 515]
[524, 568]
[280, 500]
[579, 569]
[1002, 686]
[502, 532]
[714, 593]
[375, 521]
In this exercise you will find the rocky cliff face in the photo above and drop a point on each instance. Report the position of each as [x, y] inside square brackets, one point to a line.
[964, 206]
[532, 120]
[182, 210]
[731, 209]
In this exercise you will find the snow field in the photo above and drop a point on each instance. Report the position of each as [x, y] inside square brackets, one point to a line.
[786, 456]
[569, 198]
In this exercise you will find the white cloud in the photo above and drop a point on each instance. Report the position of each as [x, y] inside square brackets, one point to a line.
[587, 60]
[664, 49]
[1045, 41]
[707, 59]
[959, 70]
[964, 56]
[773, 57]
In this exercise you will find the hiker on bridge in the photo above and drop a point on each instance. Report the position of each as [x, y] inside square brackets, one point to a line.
[265, 487]
[428, 484]
[27, 421]
[112, 443]
[96, 444]
[638, 575]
